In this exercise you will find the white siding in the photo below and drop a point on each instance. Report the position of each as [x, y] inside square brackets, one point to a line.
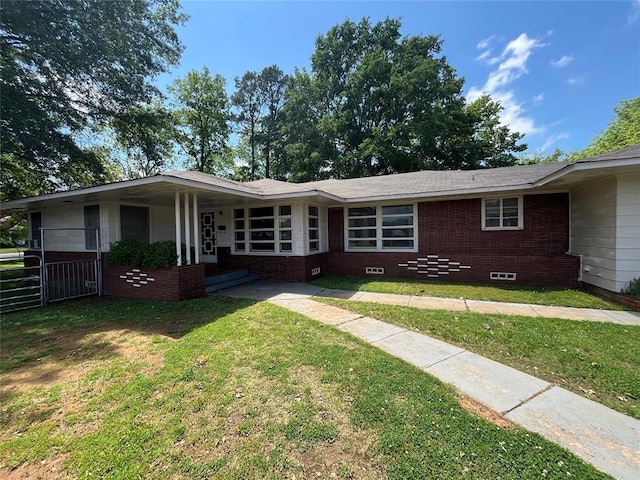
[593, 231]
[628, 229]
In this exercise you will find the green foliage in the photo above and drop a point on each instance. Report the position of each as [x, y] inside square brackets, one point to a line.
[202, 116]
[633, 288]
[134, 254]
[146, 134]
[260, 98]
[376, 102]
[49, 93]
[622, 132]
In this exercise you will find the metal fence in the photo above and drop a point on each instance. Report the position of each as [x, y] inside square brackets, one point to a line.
[21, 287]
[72, 279]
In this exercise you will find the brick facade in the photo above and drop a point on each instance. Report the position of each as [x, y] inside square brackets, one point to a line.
[291, 269]
[451, 231]
[176, 283]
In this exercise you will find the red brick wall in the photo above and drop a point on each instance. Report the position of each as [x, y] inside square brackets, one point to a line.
[176, 283]
[452, 230]
[291, 269]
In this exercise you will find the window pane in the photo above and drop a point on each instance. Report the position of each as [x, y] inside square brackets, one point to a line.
[238, 213]
[314, 246]
[261, 212]
[510, 202]
[492, 213]
[397, 244]
[362, 233]
[262, 247]
[397, 232]
[285, 234]
[362, 244]
[397, 209]
[285, 210]
[510, 222]
[492, 203]
[91, 220]
[362, 222]
[239, 224]
[361, 211]
[285, 223]
[239, 236]
[285, 247]
[134, 224]
[261, 223]
[313, 234]
[313, 223]
[492, 222]
[239, 247]
[393, 221]
[313, 211]
[510, 212]
[265, 236]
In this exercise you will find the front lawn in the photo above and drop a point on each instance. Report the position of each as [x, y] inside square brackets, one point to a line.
[600, 361]
[496, 293]
[228, 388]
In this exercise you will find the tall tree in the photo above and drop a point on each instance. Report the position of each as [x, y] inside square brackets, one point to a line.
[67, 66]
[271, 82]
[248, 100]
[623, 131]
[146, 134]
[381, 103]
[202, 118]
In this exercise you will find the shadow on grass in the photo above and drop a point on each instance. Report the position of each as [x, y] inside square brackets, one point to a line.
[45, 346]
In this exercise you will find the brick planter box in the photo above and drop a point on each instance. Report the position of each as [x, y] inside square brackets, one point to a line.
[175, 283]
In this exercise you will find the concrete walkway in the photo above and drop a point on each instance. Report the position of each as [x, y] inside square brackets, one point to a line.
[599, 435]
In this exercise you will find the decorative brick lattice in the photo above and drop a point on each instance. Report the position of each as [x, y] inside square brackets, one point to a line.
[137, 278]
[208, 229]
[433, 266]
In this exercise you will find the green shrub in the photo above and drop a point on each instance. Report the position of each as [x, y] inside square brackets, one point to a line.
[633, 288]
[130, 253]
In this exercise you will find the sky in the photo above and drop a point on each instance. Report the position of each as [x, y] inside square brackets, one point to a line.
[558, 68]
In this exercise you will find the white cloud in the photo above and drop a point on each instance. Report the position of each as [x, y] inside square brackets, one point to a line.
[635, 11]
[538, 98]
[552, 139]
[512, 65]
[576, 81]
[562, 61]
[482, 44]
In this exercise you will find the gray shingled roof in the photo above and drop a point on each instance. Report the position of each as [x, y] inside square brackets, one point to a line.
[622, 154]
[436, 182]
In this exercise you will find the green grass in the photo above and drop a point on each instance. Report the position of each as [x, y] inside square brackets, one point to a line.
[600, 361]
[12, 249]
[495, 293]
[227, 388]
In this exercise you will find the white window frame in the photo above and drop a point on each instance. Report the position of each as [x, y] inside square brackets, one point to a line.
[316, 229]
[278, 243]
[501, 198]
[379, 238]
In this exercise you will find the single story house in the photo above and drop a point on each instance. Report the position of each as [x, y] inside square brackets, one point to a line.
[545, 224]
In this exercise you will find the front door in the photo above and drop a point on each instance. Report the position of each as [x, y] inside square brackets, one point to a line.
[208, 240]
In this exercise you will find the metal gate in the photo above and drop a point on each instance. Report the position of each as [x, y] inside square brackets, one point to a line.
[21, 286]
[40, 282]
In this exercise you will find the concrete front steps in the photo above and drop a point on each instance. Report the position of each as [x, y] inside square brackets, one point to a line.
[220, 280]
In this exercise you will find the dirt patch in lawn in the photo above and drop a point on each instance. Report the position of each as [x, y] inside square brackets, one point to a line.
[49, 468]
[479, 410]
[74, 354]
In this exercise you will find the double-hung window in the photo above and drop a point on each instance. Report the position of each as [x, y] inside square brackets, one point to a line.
[262, 229]
[381, 227]
[503, 213]
[91, 224]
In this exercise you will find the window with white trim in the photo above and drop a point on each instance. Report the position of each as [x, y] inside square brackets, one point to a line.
[262, 229]
[502, 213]
[314, 228]
[380, 228]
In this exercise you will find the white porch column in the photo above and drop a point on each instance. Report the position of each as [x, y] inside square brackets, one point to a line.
[196, 229]
[178, 229]
[187, 227]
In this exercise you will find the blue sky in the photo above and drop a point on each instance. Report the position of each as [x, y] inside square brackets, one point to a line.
[559, 68]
